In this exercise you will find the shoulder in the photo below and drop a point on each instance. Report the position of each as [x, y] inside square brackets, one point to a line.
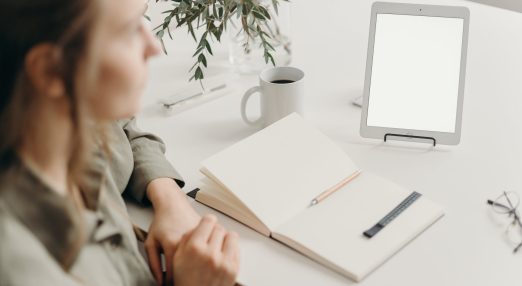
[23, 259]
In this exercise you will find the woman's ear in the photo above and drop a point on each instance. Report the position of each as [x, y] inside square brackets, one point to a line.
[41, 66]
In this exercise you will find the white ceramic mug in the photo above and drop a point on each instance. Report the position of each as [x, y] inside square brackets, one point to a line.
[281, 90]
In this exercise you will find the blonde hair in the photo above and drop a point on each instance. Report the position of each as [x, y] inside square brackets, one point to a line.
[71, 26]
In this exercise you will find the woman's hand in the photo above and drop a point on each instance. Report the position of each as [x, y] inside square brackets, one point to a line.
[173, 217]
[208, 255]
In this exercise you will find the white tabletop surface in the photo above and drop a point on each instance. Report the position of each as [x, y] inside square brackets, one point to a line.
[467, 246]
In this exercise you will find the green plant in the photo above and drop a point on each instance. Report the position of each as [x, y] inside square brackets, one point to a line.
[213, 16]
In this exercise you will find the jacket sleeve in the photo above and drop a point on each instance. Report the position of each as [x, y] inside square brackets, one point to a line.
[150, 163]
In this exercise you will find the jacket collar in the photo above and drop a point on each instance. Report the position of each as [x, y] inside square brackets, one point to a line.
[53, 218]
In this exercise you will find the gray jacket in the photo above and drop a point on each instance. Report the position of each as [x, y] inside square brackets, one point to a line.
[45, 240]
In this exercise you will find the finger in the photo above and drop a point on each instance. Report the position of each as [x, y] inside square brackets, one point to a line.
[169, 246]
[184, 239]
[205, 227]
[154, 258]
[216, 238]
[231, 256]
[169, 257]
[231, 246]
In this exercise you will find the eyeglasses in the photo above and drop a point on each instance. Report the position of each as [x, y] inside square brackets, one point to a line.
[507, 204]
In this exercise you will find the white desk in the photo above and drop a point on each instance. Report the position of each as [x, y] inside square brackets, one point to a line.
[466, 247]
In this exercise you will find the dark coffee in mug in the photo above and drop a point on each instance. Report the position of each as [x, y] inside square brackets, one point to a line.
[282, 81]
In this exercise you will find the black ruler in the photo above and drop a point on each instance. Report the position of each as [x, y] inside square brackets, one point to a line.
[392, 215]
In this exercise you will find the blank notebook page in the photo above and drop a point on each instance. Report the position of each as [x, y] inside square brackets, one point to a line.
[279, 170]
[333, 229]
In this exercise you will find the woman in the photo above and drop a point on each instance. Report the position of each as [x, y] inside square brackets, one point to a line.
[68, 69]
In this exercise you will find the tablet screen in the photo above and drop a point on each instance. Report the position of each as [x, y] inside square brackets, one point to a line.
[415, 72]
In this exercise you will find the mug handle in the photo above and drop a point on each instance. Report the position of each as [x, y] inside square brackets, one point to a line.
[244, 102]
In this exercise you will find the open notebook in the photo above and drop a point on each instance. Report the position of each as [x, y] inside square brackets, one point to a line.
[268, 180]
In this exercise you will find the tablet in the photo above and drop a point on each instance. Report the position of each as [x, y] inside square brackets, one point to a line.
[415, 73]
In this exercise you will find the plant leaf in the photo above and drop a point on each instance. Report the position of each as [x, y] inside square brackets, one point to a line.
[203, 40]
[193, 66]
[191, 30]
[202, 59]
[160, 33]
[198, 51]
[207, 45]
[265, 12]
[199, 73]
[163, 46]
[258, 15]
[268, 57]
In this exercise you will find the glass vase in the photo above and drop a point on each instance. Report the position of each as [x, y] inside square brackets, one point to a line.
[247, 54]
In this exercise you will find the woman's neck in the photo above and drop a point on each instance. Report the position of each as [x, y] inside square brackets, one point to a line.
[47, 143]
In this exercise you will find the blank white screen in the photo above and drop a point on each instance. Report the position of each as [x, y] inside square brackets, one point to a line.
[415, 72]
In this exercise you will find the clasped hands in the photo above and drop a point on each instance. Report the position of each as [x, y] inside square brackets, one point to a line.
[197, 251]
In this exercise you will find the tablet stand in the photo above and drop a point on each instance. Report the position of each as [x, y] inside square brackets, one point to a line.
[410, 136]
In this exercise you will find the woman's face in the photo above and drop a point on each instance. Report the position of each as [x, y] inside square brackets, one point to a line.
[126, 45]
